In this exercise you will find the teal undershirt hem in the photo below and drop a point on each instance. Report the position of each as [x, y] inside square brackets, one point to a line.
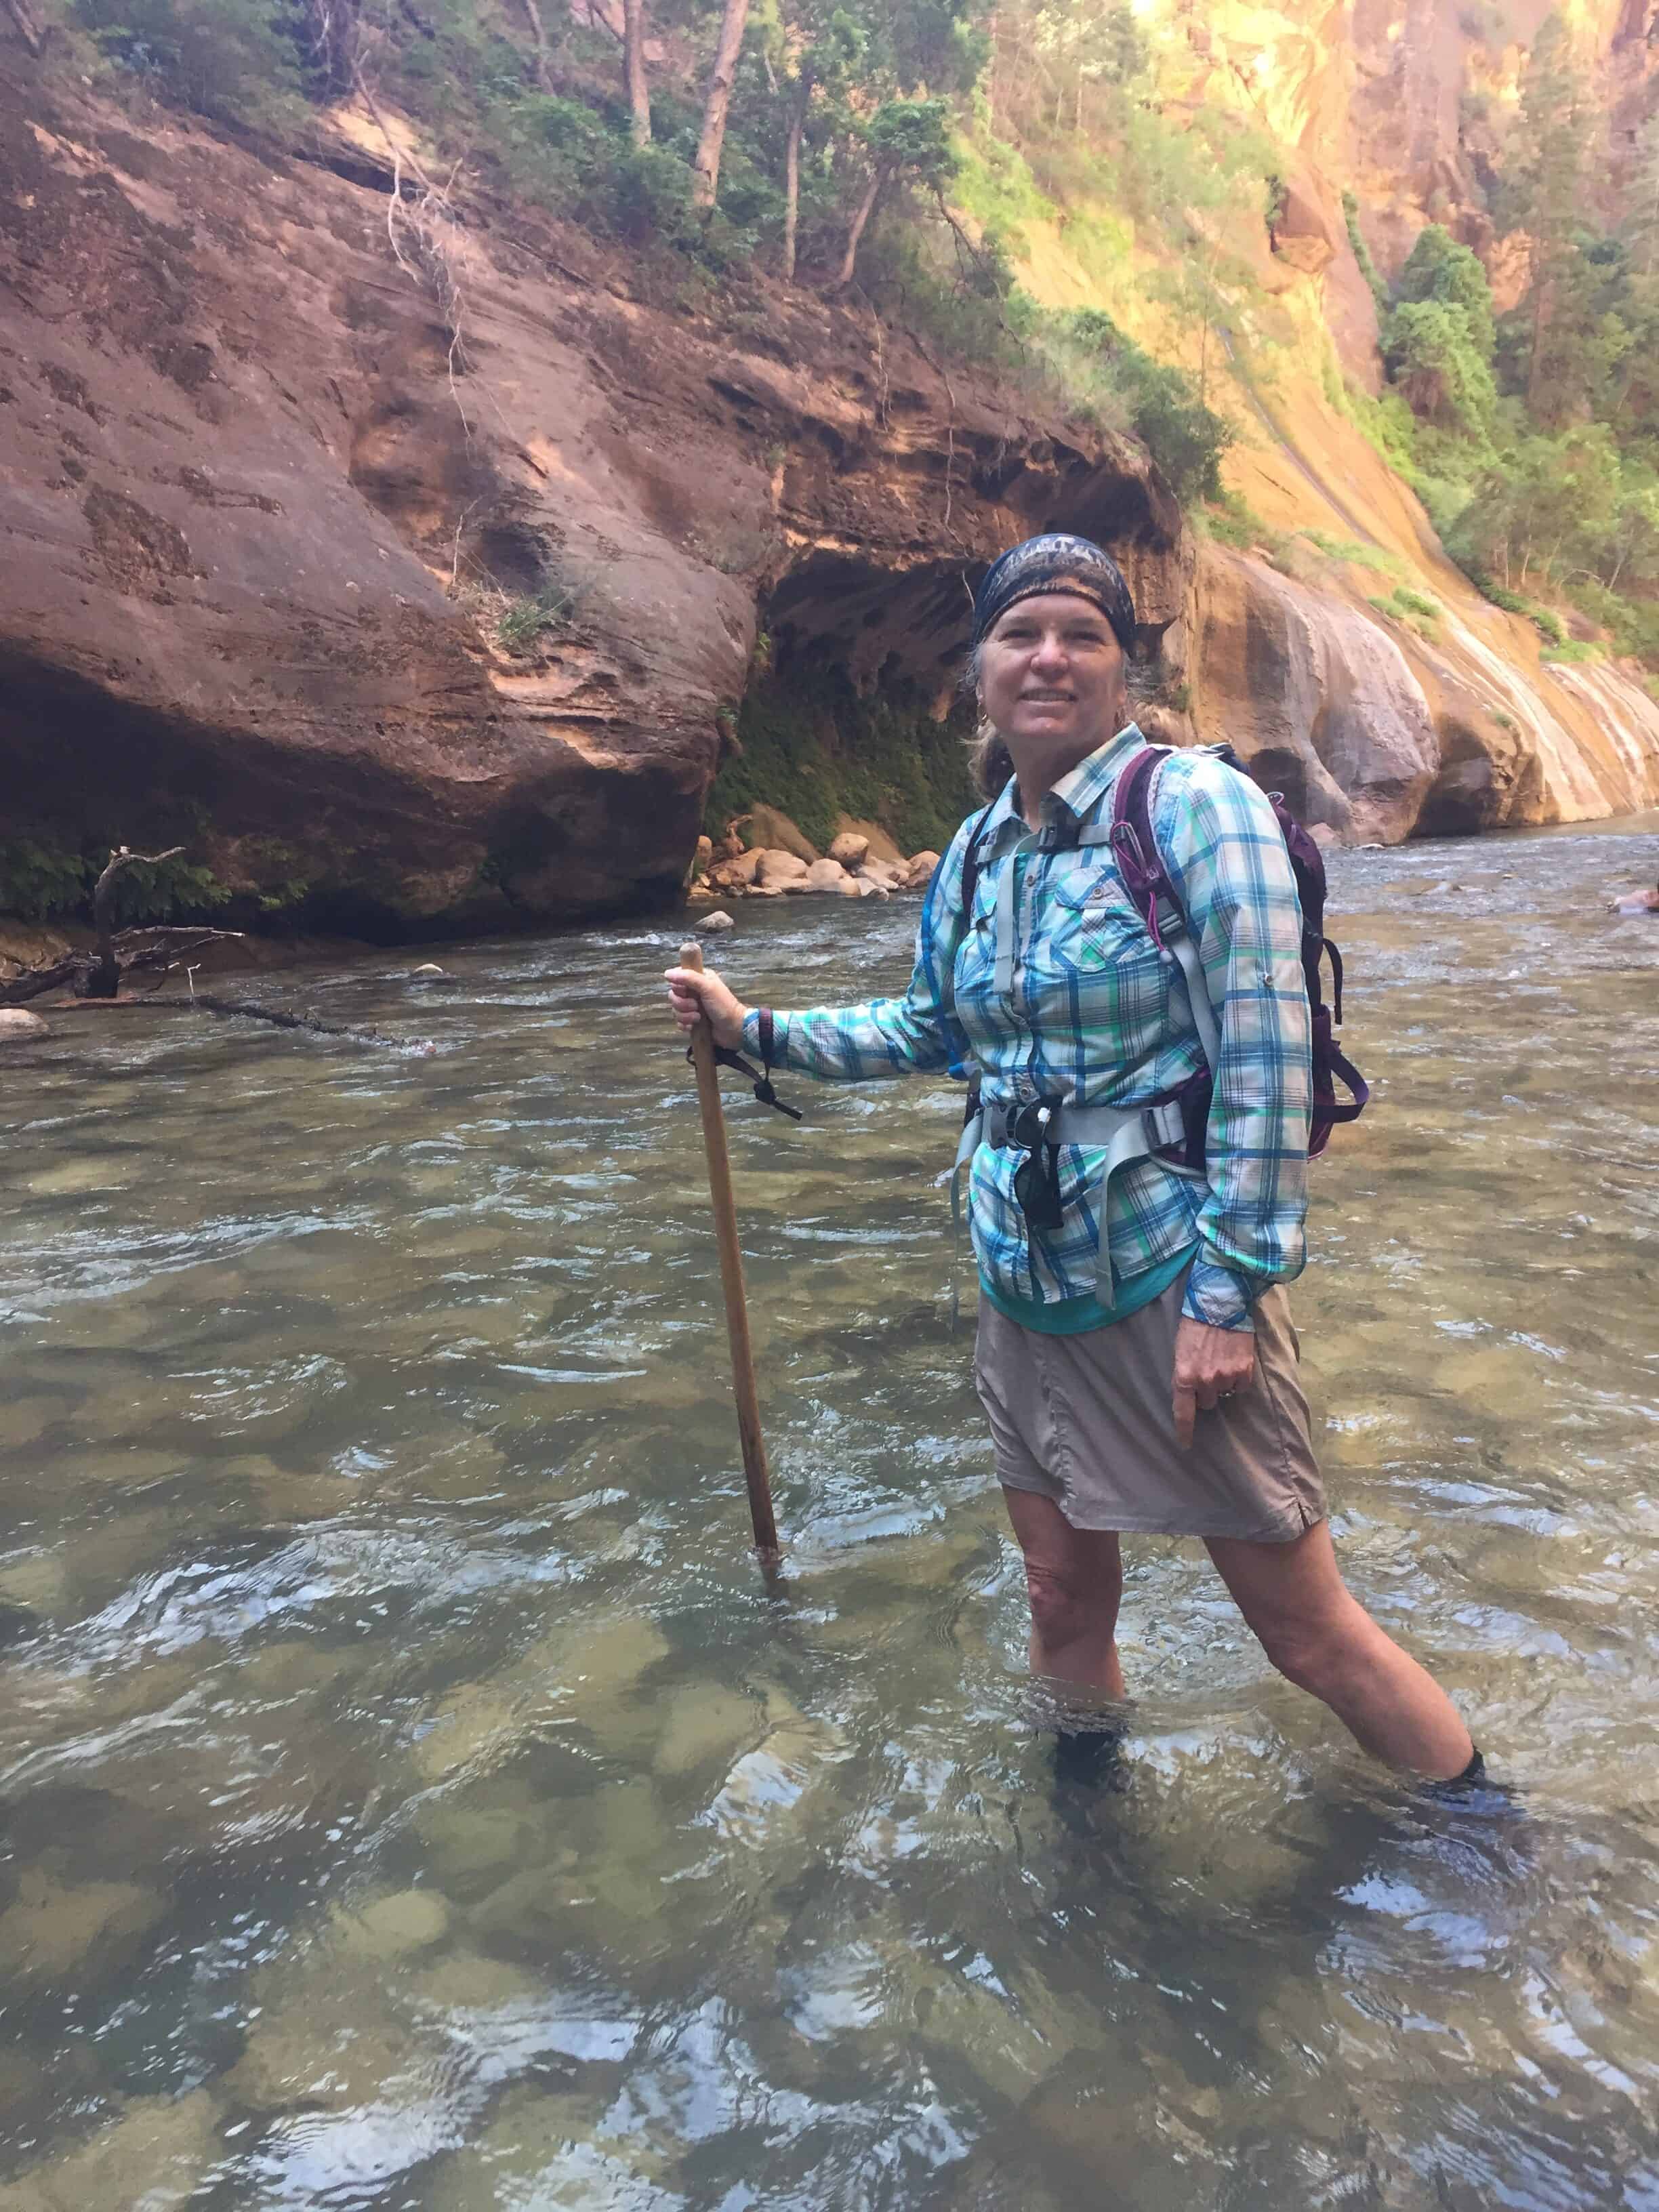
[1071, 1316]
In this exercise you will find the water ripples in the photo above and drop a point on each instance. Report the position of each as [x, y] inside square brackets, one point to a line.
[413, 1797]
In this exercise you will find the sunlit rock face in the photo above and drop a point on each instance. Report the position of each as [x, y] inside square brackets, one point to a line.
[438, 617]
[1377, 724]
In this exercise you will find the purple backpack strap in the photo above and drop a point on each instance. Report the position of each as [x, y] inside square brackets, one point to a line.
[1133, 846]
[1141, 870]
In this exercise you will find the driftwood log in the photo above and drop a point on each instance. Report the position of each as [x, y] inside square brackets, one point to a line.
[118, 956]
[280, 1018]
[134, 952]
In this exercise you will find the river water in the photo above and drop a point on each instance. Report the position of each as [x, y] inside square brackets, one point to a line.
[413, 1796]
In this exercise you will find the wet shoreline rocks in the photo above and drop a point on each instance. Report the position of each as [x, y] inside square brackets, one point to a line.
[790, 868]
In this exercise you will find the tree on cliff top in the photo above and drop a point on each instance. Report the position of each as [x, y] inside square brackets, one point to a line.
[904, 138]
[706, 168]
[818, 48]
[1544, 182]
[1641, 227]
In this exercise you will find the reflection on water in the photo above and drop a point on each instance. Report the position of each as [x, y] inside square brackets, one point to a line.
[412, 1796]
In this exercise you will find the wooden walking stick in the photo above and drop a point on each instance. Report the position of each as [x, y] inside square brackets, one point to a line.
[737, 1309]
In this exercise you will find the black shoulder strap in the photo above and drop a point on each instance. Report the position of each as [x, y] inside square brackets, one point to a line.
[970, 862]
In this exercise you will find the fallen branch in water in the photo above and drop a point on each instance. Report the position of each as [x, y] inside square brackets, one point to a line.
[142, 951]
[280, 1018]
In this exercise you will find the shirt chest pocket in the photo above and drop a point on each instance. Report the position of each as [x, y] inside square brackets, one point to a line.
[1092, 924]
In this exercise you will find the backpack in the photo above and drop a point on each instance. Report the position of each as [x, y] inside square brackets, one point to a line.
[1141, 867]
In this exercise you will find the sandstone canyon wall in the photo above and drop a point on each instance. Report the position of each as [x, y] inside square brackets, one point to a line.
[1378, 726]
[243, 452]
[238, 457]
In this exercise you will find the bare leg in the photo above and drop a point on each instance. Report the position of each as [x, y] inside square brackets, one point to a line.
[1075, 1578]
[1321, 1638]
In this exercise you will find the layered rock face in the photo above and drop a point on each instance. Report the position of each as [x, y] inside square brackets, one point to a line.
[267, 491]
[414, 571]
[1375, 725]
[1374, 733]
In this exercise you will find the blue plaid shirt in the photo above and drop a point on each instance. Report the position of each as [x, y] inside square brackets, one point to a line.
[1097, 1017]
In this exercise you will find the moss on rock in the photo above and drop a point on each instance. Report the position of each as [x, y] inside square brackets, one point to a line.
[816, 749]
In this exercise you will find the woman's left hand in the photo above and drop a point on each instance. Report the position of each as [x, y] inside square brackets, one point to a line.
[1210, 1364]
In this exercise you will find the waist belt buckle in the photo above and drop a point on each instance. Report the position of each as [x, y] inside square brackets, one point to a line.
[1156, 1140]
[1027, 1126]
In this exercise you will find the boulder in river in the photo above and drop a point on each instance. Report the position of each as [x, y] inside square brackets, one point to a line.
[827, 876]
[736, 875]
[719, 920]
[849, 849]
[778, 871]
[770, 828]
[19, 1022]
[887, 875]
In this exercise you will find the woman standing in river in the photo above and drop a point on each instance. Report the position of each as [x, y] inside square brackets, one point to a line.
[1135, 1355]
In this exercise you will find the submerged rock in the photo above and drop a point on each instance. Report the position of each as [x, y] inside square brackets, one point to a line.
[704, 1721]
[153, 2157]
[394, 1926]
[555, 2151]
[52, 1931]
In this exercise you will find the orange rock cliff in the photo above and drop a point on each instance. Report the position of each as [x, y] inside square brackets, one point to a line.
[238, 462]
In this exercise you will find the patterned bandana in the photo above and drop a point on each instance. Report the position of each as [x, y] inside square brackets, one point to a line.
[1056, 561]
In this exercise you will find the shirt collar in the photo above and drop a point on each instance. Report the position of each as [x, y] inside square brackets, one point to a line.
[1077, 794]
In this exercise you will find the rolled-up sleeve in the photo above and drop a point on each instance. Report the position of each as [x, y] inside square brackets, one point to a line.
[917, 1033]
[1229, 867]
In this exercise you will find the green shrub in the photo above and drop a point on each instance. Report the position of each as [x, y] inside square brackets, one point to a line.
[1235, 522]
[1351, 553]
[237, 60]
[523, 620]
[817, 748]
[1362, 252]
[38, 881]
[1185, 437]
[1415, 603]
[1415, 610]
[1511, 602]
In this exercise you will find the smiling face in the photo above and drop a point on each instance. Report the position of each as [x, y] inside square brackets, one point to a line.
[1052, 674]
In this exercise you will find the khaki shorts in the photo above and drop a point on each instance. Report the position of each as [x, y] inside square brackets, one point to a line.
[1087, 1421]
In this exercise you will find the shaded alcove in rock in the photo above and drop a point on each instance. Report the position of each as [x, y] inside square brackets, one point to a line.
[837, 611]
[354, 849]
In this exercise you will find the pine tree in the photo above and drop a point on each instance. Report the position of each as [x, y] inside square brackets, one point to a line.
[1546, 181]
[1641, 225]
